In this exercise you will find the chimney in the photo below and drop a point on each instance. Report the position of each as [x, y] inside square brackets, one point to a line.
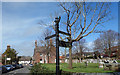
[35, 43]
[45, 45]
[8, 46]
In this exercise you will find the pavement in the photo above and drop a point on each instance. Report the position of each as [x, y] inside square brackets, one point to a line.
[22, 71]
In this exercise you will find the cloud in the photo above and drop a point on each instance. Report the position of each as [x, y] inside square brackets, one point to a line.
[34, 19]
[25, 48]
[21, 33]
[90, 45]
[17, 32]
[20, 25]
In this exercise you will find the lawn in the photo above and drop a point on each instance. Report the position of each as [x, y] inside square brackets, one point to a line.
[78, 68]
[118, 61]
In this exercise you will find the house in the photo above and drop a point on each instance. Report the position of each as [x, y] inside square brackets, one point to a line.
[62, 59]
[88, 54]
[24, 60]
[83, 55]
[42, 54]
[76, 56]
[114, 52]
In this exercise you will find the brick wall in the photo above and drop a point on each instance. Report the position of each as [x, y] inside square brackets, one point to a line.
[52, 56]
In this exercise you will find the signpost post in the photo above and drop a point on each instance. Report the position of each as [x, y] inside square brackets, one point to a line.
[57, 20]
[59, 43]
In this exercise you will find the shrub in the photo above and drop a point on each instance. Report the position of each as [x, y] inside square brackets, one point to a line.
[118, 61]
[40, 69]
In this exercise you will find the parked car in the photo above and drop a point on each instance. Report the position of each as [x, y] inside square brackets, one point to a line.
[13, 67]
[16, 66]
[4, 69]
[20, 65]
[31, 65]
[9, 67]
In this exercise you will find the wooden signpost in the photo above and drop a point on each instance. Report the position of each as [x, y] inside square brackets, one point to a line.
[59, 43]
[65, 44]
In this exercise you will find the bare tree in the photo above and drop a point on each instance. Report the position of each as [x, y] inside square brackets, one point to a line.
[106, 40]
[79, 48]
[98, 45]
[82, 18]
[46, 43]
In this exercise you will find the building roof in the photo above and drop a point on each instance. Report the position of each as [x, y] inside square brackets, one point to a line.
[25, 58]
[42, 49]
[61, 57]
[114, 48]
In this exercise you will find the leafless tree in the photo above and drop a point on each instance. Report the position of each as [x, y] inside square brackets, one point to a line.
[79, 48]
[106, 40]
[46, 43]
[82, 18]
[98, 45]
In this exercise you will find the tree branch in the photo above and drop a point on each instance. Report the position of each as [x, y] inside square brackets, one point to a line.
[76, 18]
[91, 20]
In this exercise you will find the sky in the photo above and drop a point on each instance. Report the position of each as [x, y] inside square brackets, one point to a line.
[20, 26]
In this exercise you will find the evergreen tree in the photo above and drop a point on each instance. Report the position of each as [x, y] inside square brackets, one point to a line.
[9, 53]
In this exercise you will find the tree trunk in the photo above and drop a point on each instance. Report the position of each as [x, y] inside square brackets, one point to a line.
[70, 51]
[109, 50]
[70, 58]
[48, 57]
[65, 55]
[80, 59]
[80, 55]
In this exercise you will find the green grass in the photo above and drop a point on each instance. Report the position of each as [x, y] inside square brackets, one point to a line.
[118, 61]
[78, 68]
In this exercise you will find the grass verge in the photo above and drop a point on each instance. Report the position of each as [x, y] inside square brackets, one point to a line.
[78, 68]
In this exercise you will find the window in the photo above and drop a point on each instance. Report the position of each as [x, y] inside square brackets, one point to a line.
[40, 59]
[113, 53]
[40, 54]
[55, 60]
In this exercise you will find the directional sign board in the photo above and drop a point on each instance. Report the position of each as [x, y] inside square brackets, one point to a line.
[64, 33]
[65, 44]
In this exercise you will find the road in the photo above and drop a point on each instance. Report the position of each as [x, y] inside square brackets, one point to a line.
[21, 71]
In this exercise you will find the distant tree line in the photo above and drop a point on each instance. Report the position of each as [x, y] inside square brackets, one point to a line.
[105, 41]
